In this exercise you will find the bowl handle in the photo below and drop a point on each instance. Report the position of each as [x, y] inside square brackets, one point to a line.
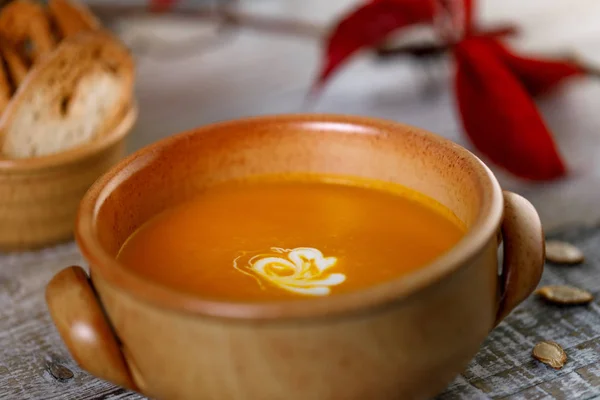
[524, 253]
[83, 326]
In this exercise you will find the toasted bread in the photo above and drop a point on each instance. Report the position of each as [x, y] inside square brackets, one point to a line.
[74, 95]
[26, 25]
[72, 17]
[15, 63]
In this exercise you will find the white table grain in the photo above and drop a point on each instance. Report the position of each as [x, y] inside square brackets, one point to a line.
[252, 73]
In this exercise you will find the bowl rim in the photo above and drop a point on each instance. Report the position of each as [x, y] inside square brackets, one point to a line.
[116, 134]
[106, 267]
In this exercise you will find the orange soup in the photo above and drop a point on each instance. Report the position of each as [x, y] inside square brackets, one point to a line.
[274, 238]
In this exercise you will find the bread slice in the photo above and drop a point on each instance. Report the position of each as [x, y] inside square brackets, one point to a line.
[72, 17]
[26, 25]
[15, 63]
[76, 94]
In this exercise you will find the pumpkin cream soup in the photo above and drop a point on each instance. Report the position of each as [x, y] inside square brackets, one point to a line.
[280, 237]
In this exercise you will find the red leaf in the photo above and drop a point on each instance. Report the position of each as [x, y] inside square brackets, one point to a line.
[499, 116]
[469, 7]
[539, 76]
[367, 26]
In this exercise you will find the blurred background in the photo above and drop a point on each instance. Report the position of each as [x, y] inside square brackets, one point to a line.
[192, 71]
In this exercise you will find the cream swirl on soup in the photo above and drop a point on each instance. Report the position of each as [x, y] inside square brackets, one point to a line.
[302, 270]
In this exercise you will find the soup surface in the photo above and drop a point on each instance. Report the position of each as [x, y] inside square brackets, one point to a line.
[281, 237]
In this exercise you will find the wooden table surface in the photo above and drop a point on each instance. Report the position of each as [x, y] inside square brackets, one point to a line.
[251, 73]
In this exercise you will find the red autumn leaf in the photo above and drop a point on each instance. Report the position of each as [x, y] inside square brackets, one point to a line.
[370, 23]
[367, 26]
[469, 8]
[500, 117]
[539, 76]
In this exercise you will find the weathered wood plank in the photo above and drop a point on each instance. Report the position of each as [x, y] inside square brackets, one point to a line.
[29, 344]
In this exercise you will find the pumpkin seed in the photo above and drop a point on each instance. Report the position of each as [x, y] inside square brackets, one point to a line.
[550, 353]
[563, 253]
[59, 372]
[563, 294]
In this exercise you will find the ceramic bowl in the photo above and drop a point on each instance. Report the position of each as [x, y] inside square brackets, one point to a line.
[39, 196]
[406, 338]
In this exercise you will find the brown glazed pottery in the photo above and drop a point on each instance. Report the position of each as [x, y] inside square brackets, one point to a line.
[404, 339]
[39, 196]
